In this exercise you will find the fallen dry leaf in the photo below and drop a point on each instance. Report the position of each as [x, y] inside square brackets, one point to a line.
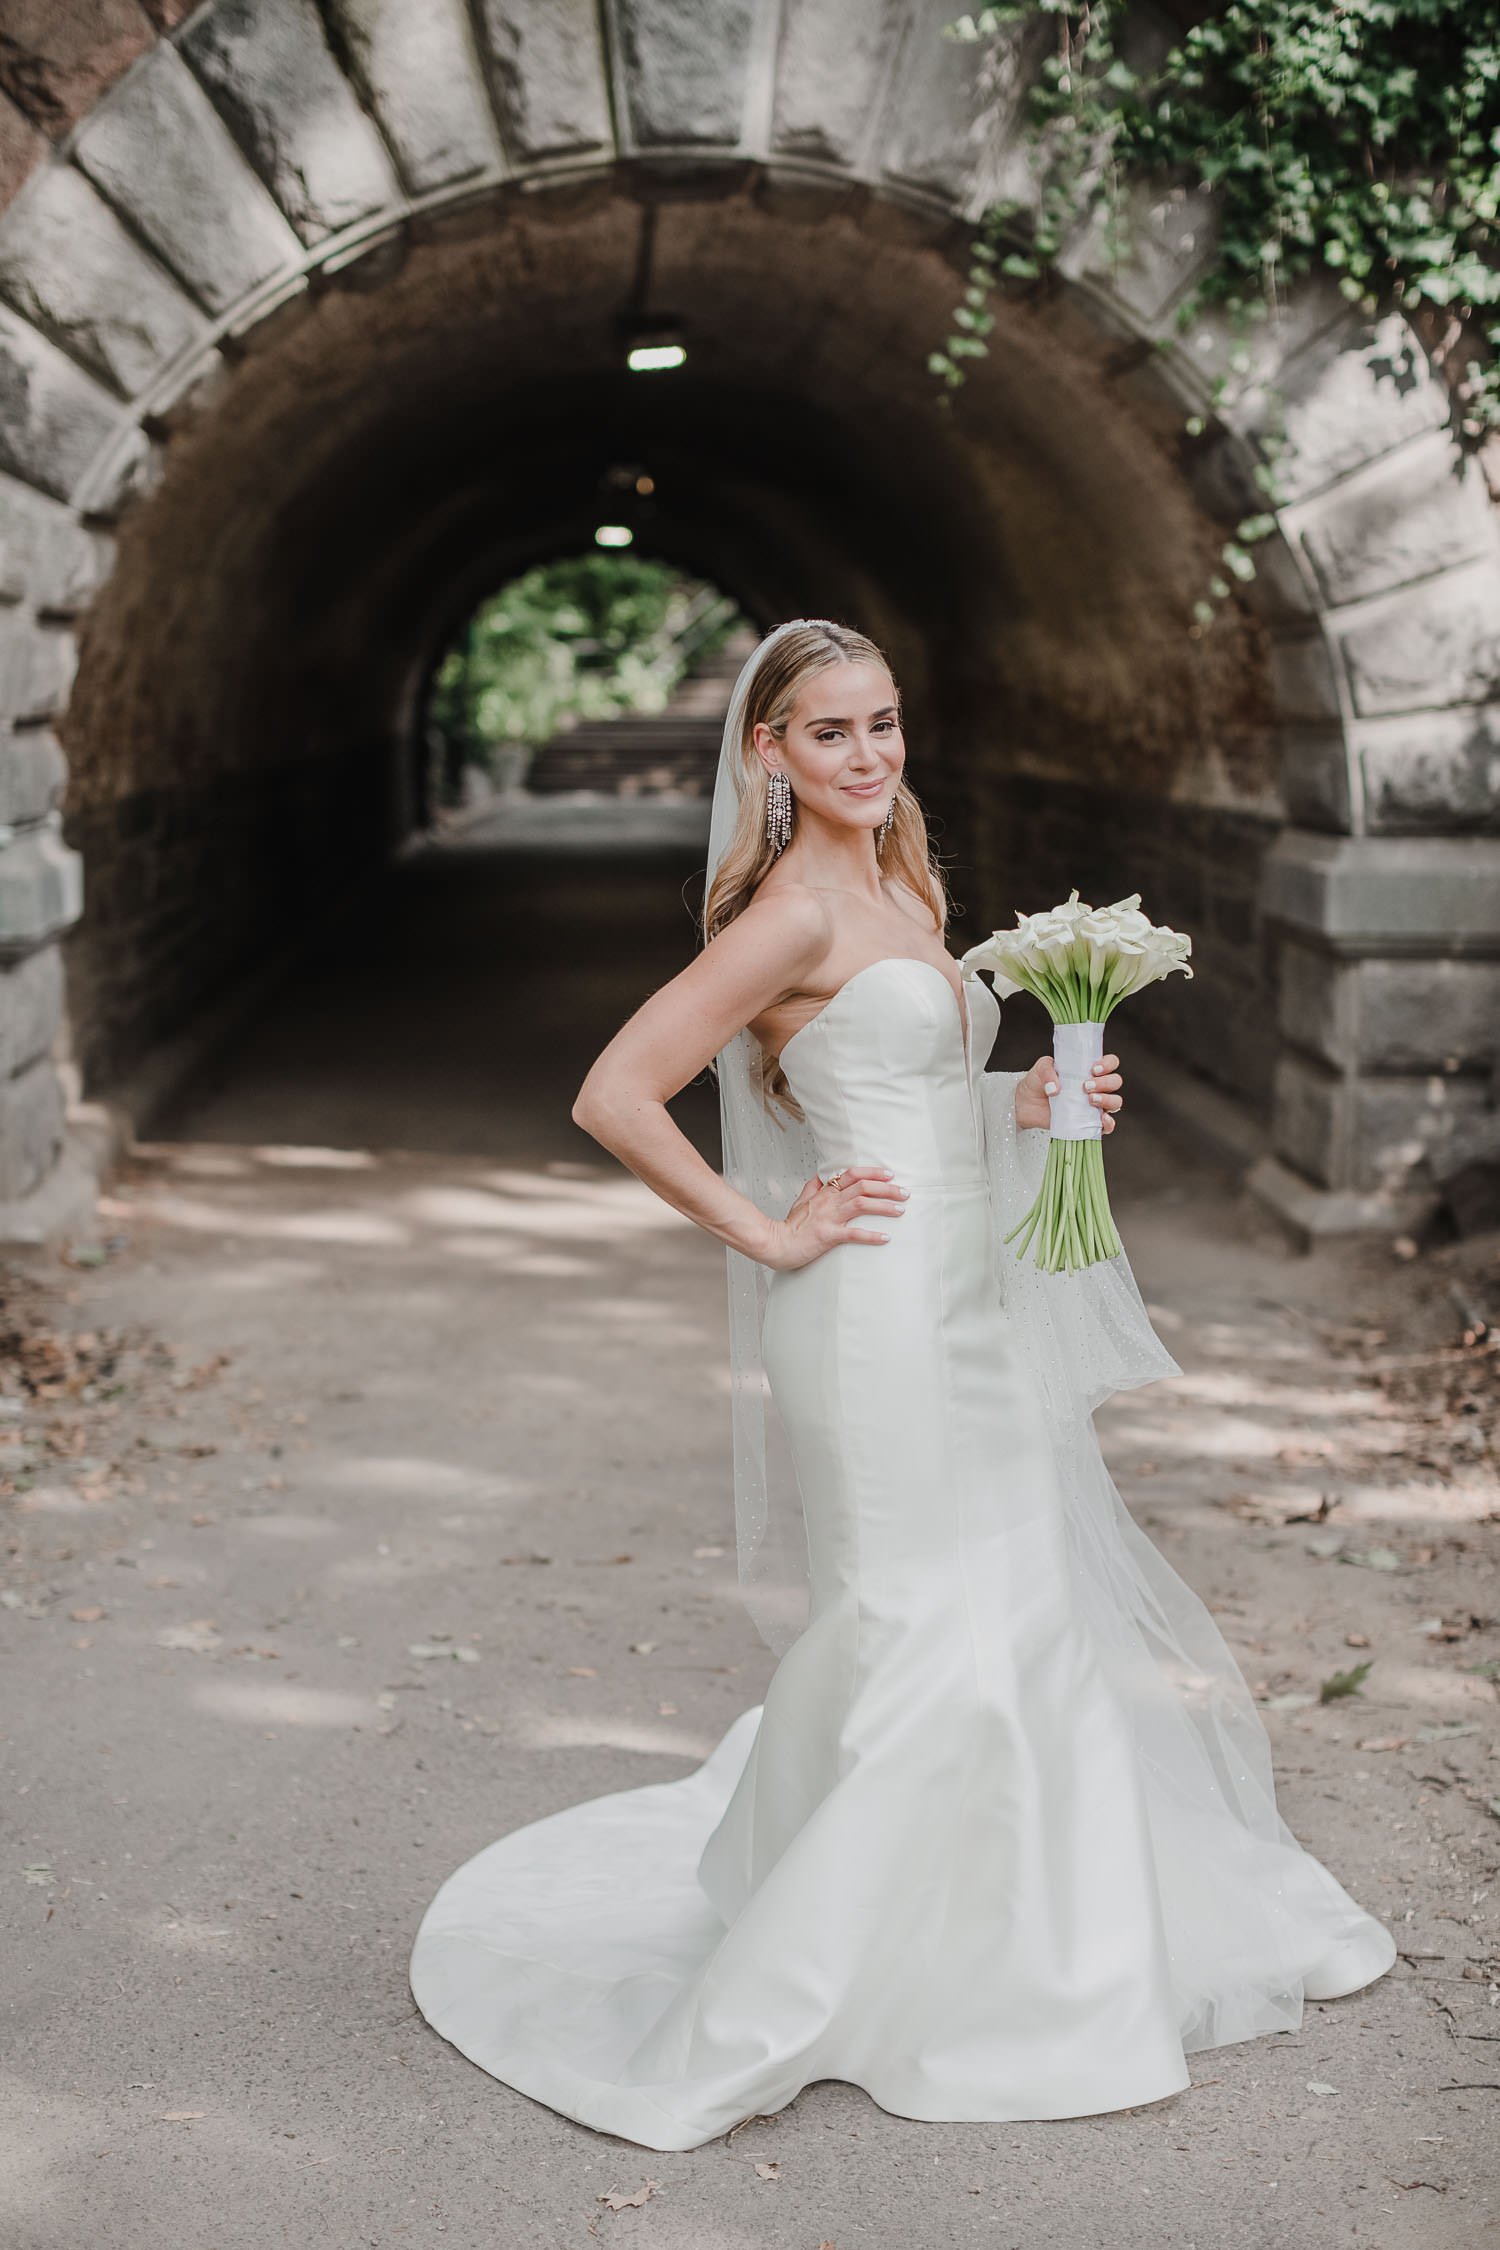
[1383, 1742]
[619, 2201]
[86, 1616]
[771, 2171]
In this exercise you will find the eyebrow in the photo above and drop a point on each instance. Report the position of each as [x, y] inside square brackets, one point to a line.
[886, 711]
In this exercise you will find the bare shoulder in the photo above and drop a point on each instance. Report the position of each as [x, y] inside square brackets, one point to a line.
[774, 946]
[792, 919]
[911, 903]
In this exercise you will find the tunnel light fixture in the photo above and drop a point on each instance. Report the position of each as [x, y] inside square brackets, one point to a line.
[614, 535]
[646, 359]
[652, 342]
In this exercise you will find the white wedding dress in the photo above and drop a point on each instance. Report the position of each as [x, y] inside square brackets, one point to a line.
[1002, 1841]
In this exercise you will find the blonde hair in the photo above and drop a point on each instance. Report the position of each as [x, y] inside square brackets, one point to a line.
[778, 681]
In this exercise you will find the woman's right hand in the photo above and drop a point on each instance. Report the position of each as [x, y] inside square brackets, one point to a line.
[828, 1212]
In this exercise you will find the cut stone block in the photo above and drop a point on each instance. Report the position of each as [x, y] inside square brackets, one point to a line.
[46, 557]
[37, 664]
[831, 73]
[1383, 894]
[273, 78]
[1438, 1016]
[31, 1003]
[933, 133]
[1408, 516]
[1438, 645]
[159, 150]
[53, 418]
[422, 75]
[1428, 1015]
[548, 72]
[41, 890]
[68, 266]
[31, 1128]
[1369, 1135]
[33, 776]
[1407, 1125]
[1438, 770]
[1351, 394]
[684, 67]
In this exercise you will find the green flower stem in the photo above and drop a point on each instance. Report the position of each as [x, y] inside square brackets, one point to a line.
[1070, 1222]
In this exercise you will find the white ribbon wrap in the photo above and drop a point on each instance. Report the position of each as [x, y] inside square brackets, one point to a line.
[1076, 1047]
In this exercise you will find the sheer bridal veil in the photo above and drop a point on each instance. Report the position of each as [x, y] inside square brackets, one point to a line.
[767, 1157]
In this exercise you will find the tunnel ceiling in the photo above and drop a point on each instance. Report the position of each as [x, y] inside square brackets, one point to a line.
[366, 467]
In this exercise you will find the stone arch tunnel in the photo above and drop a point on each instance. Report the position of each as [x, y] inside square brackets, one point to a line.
[310, 332]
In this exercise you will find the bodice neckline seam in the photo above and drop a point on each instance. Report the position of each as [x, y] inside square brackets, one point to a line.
[884, 960]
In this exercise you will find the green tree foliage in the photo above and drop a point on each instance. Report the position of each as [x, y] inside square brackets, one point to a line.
[1358, 139]
[590, 638]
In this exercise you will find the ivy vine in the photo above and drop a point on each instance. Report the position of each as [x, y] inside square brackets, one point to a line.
[1360, 139]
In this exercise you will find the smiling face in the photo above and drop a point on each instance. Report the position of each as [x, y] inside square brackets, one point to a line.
[843, 749]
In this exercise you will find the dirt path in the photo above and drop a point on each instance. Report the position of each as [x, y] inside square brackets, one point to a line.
[366, 1494]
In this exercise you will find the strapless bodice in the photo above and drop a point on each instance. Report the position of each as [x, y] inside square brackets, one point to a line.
[885, 1072]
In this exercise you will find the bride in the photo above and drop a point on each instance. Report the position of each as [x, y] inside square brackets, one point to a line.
[1001, 1841]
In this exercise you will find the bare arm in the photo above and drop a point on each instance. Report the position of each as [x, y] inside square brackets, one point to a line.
[774, 948]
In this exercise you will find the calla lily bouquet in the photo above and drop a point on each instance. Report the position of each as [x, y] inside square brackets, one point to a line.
[1080, 962]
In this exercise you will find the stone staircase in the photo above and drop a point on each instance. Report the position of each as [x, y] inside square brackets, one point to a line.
[671, 753]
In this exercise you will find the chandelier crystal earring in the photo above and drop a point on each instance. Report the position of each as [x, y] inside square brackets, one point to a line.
[884, 829]
[779, 812]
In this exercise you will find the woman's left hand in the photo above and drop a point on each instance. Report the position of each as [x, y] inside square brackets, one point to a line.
[1103, 1086]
